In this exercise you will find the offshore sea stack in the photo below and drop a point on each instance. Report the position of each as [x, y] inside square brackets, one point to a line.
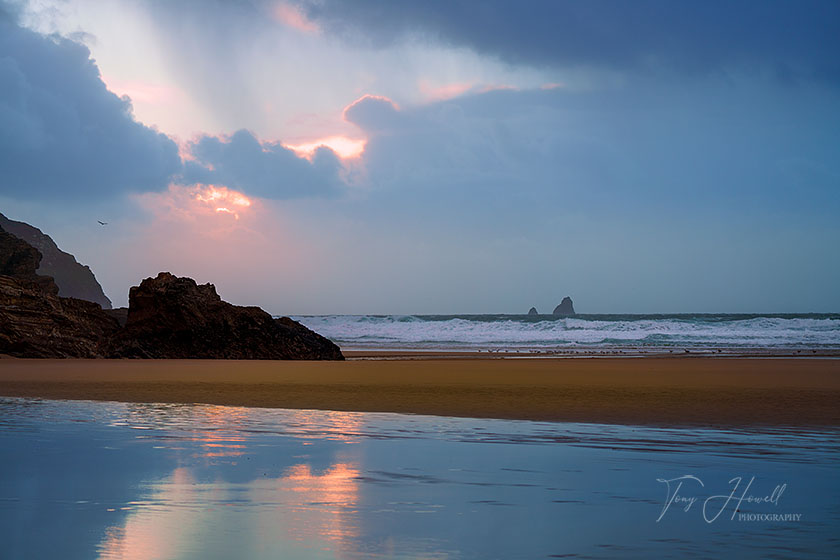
[34, 321]
[533, 311]
[172, 317]
[566, 308]
[73, 279]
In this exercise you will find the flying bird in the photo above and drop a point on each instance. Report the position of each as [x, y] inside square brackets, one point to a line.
[102, 223]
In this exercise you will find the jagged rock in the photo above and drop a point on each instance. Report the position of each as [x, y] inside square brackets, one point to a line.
[533, 311]
[172, 317]
[34, 321]
[168, 317]
[566, 308]
[73, 279]
[19, 260]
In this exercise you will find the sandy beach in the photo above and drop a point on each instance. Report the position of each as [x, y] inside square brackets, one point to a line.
[652, 391]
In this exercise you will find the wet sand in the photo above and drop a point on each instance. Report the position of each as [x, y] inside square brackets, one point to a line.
[652, 391]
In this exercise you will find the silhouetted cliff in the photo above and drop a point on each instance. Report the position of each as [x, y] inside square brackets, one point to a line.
[73, 279]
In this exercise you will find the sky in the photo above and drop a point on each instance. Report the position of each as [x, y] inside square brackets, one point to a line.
[322, 156]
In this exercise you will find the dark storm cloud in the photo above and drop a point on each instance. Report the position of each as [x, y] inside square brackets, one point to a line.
[790, 39]
[62, 133]
[264, 169]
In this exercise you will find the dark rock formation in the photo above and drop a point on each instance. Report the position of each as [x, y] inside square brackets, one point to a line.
[168, 317]
[73, 279]
[533, 311]
[566, 308]
[118, 313]
[172, 317]
[19, 260]
[34, 321]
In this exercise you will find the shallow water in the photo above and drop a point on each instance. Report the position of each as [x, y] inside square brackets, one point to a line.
[143, 481]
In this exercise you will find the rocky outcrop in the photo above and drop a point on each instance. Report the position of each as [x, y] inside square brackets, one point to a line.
[566, 308]
[168, 317]
[533, 311]
[118, 313]
[172, 317]
[73, 279]
[19, 260]
[34, 321]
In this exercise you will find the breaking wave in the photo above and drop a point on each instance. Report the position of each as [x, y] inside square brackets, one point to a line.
[516, 331]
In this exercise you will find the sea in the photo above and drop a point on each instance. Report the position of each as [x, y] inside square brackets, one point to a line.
[731, 333]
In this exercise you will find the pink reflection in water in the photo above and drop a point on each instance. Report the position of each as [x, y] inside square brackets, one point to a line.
[298, 512]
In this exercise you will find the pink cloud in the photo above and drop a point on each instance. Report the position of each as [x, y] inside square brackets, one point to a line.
[443, 92]
[433, 93]
[145, 92]
[291, 16]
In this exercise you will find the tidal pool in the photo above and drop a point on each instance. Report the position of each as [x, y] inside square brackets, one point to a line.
[82, 480]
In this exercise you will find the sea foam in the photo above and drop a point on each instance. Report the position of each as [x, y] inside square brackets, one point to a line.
[516, 331]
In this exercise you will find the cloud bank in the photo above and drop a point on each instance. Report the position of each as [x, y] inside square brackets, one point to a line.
[266, 169]
[733, 148]
[62, 133]
[793, 39]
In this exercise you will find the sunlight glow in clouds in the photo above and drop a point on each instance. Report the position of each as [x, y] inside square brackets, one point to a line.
[196, 203]
[345, 148]
[221, 199]
[191, 238]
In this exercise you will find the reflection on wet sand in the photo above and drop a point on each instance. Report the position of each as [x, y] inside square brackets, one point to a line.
[317, 507]
[181, 517]
[153, 530]
[312, 509]
[201, 482]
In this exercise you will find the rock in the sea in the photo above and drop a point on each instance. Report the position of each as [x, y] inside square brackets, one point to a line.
[34, 321]
[533, 311]
[73, 279]
[172, 317]
[566, 308]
